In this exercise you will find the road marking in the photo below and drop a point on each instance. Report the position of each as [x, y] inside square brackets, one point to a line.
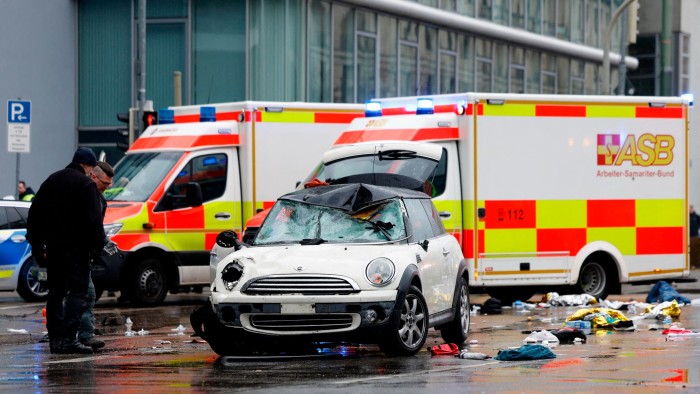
[21, 306]
[83, 359]
[443, 369]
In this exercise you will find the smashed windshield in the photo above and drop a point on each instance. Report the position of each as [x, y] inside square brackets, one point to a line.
[395, 168]
[295, 222]
[136, 176]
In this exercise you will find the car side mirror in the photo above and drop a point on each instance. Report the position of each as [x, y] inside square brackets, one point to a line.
[193, 194]
[424, 245]
[229, 239]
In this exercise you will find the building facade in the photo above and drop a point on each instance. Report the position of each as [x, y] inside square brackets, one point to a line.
[338, 51]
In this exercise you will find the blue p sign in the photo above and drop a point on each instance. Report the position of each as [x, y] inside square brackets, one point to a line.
[18, 111]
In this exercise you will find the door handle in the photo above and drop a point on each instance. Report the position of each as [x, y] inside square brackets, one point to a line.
[445, 252]
[445, 214]
[18, 239]
[222, 216]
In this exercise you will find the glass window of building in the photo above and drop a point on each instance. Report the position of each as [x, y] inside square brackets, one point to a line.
[366, 56]
[534, 16]
[466, 7]
[448, 5]
[429, 3]
[218, 58]
[500, 68]
[408, 58]
[644, 77]
[684, 64]
[343, 54]
[448, 62]
[591, 78]
[465, 73]
[563, 75]
[578, 76]
[517, 13]
[517, 70]
[532, 66]
[549, 17]
[564, 19]
[484, 66]
[388, 57]
[549, 73]
[500, 11]
[428, 60]
[592, 24]
[320, 51]
[484, 9]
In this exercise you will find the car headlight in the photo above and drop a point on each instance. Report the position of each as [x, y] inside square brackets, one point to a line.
[231, 274]
[112, 229]
[380, 271]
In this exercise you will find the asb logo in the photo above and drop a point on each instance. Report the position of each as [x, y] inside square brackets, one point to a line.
[647, 150]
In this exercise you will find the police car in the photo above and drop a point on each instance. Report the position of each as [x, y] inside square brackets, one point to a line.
[18, 270]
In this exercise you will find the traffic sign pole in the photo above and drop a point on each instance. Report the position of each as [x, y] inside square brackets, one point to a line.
[19, 120]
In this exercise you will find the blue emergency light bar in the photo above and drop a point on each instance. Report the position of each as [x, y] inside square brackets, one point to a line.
[207, 114]
[166, 116]
[688, 97]
[425, 107]
[372, 109]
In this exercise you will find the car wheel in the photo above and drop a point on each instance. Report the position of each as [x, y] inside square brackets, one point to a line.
[596, 280]
[408, 330]
[149, 283]
[457, 330]
[220, 338]
[28, 285]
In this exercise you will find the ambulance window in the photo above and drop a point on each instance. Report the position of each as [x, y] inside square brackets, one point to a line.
[209, 171]
[439, 177]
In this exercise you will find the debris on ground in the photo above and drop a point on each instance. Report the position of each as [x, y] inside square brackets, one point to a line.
[445, 349]
[554, 299]
[525, 352]
[467, 355]
[663, 292]
[543, 336]
[602, 318]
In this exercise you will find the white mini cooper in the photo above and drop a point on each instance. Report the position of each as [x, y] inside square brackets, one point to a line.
[356, 263]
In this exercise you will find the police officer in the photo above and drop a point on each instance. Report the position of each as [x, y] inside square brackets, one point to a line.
[64, 227]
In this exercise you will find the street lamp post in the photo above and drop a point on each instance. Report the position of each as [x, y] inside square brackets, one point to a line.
[606, 45]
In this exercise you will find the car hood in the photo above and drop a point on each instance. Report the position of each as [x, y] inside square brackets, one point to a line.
[327, 259]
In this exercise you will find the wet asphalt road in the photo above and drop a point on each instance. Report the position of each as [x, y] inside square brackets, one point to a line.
[162, 361]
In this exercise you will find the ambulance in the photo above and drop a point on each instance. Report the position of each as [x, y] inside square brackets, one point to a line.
[201, 170]
[586, 192]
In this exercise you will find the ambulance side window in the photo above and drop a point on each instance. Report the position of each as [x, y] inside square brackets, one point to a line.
[209, 171]
[439, 176]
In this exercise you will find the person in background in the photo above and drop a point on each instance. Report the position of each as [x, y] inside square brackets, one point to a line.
[64, 228]
[694, 222]
[102, 175]
[24, 193]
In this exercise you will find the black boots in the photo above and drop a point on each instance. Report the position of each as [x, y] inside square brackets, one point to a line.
[73, 346]
[55, 345]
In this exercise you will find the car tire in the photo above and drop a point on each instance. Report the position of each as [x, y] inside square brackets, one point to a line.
[408, 330]
[457, 330]
[220, 338]
[28, 285]
[148, 283]
[597, 280]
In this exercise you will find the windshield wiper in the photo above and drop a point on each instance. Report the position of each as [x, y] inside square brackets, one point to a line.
[381, 226]
[312, 241]
[396, 154]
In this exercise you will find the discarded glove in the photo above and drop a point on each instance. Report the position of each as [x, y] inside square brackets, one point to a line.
[525, 352]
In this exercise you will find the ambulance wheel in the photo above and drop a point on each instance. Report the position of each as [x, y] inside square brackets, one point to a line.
[28, 285]
[149, 282]
[407, 332]
[457, 330]
[597, 280]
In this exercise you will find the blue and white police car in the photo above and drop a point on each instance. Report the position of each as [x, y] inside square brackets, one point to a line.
[18, 270]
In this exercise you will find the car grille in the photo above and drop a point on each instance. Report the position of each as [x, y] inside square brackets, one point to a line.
[300, 284]
[303, 323]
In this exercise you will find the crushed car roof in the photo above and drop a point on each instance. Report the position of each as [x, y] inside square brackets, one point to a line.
[350, 198]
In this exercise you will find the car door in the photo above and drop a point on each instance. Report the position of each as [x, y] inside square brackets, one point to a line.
[13, 245]
[434, 259]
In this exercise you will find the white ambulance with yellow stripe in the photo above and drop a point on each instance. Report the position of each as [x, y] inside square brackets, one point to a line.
[540, 190]
[202, 170]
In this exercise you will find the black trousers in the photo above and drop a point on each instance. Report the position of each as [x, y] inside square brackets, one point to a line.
[68, 279]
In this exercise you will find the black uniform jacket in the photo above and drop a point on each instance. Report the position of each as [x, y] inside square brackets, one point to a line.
[67, 212]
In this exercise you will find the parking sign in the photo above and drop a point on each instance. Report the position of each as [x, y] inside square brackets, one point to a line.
[19, 119]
